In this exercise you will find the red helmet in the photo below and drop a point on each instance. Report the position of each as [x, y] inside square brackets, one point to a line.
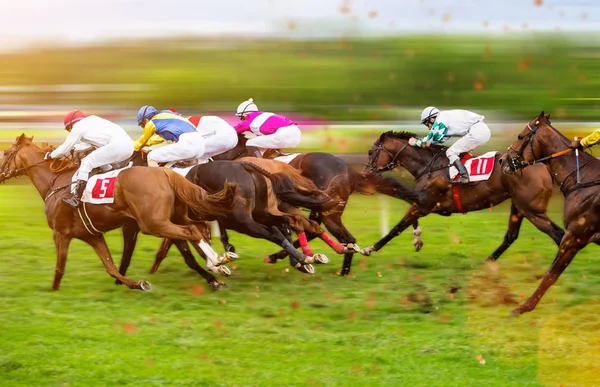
[73, 117]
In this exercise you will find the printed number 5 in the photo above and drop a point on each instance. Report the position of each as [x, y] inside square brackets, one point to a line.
[103, 188]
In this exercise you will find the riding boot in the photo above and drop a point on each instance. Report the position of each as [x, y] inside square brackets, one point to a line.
[462, 171]
[75, 199]
[254, 152]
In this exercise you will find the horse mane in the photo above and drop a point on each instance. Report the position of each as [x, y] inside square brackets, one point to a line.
[403, 135]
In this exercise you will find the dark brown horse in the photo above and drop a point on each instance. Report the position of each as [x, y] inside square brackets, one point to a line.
[332, 174]
[530, 191]
[153, 200]
[579, 181]
[255, 210]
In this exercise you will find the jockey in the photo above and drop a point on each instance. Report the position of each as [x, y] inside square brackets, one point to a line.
[273, 131]
[187, 142]
[113, 143]
[469, 126]
[218, 134]
[588, 141]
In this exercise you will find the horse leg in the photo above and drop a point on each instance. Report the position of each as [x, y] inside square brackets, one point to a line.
[99, 245]
[161, 254]
[185, 251]
[410, 217]
[566, 252]
[334, 224]
[62, 243]
[130, 233]
[273, 258]
[225, 239]
[512, 233]
[417, 242]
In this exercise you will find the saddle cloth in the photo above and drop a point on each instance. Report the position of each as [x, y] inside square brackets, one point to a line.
[100, 188]
[479, 168]
[287, 158]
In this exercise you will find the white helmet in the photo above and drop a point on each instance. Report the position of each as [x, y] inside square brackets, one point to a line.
[246, 107]
[428, 113]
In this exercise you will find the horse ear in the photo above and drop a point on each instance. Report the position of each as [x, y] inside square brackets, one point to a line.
[542, 114]
[548, 116]
[20, 138]
[30, 138]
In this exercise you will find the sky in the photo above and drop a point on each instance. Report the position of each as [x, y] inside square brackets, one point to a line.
[82, 21]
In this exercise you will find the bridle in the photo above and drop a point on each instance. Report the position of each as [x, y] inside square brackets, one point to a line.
[389, 166]
[517, 162]
[9, 173]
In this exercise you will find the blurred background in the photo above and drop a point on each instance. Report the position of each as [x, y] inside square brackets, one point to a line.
[346, 70]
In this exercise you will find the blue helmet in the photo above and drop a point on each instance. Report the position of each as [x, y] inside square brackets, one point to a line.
[146, 112]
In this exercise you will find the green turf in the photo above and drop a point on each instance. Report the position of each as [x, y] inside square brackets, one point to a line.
[392, 322]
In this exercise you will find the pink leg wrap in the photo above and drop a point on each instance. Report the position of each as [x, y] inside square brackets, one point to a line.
[338, 247]
[304, 244]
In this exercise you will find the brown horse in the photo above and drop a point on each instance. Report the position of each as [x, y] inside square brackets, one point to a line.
[530, 192]
[332, 174]
[153, 200]
[578, 175]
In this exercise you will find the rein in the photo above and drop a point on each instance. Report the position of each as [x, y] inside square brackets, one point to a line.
[517, 163]
[389, 166]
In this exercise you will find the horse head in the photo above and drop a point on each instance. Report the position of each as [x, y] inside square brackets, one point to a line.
[10, 158]
[526, 149]
[392, 150]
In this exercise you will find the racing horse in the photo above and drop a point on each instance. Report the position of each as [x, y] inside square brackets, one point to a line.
[530, 192]
[332, 174]
[578, 176]
[154, 201]
[255, 211]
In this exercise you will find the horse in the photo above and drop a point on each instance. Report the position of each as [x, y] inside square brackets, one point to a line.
[255, 211]
[578, 176]
[332, 174]
[289, 187]
[154, 201]
[530, 192]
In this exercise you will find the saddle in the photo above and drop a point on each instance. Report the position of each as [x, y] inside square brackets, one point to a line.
[271, 154]
[114, 167]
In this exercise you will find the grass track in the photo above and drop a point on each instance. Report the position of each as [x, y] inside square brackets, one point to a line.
[393, 322]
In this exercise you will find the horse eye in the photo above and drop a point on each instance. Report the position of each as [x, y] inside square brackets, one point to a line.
[370, 152]
[520, 137]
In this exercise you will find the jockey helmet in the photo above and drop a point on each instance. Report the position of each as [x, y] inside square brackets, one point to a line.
[146, 112]
[73, 117]
[246, 107]
[429, 112]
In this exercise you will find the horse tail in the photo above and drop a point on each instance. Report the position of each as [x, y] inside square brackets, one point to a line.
[289, 191]
[373, 182]
[198, 199]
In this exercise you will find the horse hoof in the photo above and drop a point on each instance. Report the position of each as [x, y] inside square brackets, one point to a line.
[308, 269]
[352, 248]
[367, 251]
[145, 286]
[216, 285]
[320, 258]
[519, 311]
[269, 260]
[231, 256]
[418, 246]
[224, 270]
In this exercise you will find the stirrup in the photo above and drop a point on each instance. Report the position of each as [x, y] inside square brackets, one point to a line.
[73, 201]
[462, 180]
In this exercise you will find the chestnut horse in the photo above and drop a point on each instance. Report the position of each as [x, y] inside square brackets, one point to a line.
[155, 201]
[530, 192]
[578, 175]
